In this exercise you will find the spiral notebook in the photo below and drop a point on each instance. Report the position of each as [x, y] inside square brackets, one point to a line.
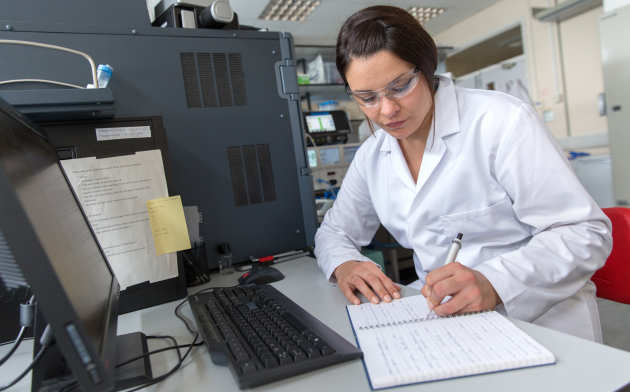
[403, 344]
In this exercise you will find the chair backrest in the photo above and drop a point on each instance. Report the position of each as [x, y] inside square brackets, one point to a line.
[613, 279]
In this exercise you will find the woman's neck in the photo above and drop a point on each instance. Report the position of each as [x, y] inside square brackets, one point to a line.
[417, 141]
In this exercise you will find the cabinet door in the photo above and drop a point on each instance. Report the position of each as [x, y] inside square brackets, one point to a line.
[614, 31]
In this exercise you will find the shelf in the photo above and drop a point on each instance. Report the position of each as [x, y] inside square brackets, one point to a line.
[61, 103]
[566, 10]
[319, 85]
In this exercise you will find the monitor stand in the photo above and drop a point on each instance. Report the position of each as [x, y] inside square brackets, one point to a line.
[138, 372]
[52, 374]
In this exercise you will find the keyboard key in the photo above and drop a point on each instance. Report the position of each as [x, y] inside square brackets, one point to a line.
[269, 361]
[326, 350]
[248, 367]
[284, 357]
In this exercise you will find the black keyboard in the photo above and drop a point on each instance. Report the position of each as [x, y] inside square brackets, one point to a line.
[263, 336]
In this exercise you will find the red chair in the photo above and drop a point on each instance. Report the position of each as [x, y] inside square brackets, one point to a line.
[613, 279]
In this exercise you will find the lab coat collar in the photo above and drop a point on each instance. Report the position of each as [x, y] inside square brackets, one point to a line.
[446, 119]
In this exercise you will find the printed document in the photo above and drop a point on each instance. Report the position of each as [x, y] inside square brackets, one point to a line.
[113, 193]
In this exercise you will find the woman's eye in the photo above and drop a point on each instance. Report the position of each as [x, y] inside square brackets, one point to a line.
[401, 87]
[368, 99]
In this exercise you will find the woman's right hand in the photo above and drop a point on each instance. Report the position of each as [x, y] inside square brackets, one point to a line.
[368, 279]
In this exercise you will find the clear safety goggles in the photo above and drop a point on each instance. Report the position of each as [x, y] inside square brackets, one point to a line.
[397, 89]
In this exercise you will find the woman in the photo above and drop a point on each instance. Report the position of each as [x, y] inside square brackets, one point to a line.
[447, 160]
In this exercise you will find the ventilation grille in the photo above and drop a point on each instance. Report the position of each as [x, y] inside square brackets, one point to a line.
[251, 174]
[10, 274]
[213, 79]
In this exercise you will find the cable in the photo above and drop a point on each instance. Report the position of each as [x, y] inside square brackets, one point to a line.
[72, 386]
[16, 343]
[28, 369]
[26, 320]
[311, 139]
[159, 350]
[164, 376]
[172, 339]
[55, 47]
[41, 81]
[181, 316]
[46, 341]
[13, 341]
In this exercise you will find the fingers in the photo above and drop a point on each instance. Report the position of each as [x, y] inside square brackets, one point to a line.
[383, 286]
[442, 273]
[450, 286]
[349, 293]
[360, 284]
[470, 292]
[467, 300]
[368, 279]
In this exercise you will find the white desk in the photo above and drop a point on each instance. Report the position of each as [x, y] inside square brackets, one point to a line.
[581, 365]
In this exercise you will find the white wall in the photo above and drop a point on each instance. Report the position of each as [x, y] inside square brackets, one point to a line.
[583, 75]
[582, 60]
[539, 45]
[610, 5]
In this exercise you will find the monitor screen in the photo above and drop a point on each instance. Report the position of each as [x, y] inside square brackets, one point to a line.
[329, 156]
[62, 243]
[312, 157]
[348, 153]
[320, 122]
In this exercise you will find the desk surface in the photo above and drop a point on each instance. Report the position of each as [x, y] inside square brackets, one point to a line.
[581, 365]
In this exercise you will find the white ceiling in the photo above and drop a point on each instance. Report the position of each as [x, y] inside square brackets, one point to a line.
[321, 27]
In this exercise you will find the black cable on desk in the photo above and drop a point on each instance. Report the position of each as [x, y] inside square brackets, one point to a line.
[181, 316]
[170, 372]
[172, 339]
[159, 350]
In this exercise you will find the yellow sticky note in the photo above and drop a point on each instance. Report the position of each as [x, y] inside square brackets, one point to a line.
[168, 225]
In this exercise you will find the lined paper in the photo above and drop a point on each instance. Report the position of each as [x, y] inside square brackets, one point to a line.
[401, 346]
[400, 311]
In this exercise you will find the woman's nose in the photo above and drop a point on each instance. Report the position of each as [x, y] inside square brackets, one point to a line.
[389, 107]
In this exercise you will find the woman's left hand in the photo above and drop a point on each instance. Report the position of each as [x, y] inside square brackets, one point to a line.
[470, 291]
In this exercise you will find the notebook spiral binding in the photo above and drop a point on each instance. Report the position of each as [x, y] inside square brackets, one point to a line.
[435, 316]
[432, 316]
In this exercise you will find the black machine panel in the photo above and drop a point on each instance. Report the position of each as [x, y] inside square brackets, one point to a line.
[235, 146]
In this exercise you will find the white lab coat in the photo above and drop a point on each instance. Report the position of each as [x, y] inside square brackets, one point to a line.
[491, 171]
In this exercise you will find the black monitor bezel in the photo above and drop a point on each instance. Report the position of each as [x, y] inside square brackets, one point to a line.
[51, 297]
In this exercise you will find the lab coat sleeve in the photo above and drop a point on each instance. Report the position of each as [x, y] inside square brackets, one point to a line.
[349, 224]
[571, 235]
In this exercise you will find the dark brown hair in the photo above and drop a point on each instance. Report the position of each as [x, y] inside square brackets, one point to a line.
[391, 28]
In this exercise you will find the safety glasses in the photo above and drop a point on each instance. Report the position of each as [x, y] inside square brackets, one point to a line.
[397, 89]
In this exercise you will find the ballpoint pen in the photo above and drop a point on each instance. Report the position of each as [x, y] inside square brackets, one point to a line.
[456, 245]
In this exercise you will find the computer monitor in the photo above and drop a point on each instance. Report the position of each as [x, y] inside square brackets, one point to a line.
[331, 127]
[56, 252]
[320, 122]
